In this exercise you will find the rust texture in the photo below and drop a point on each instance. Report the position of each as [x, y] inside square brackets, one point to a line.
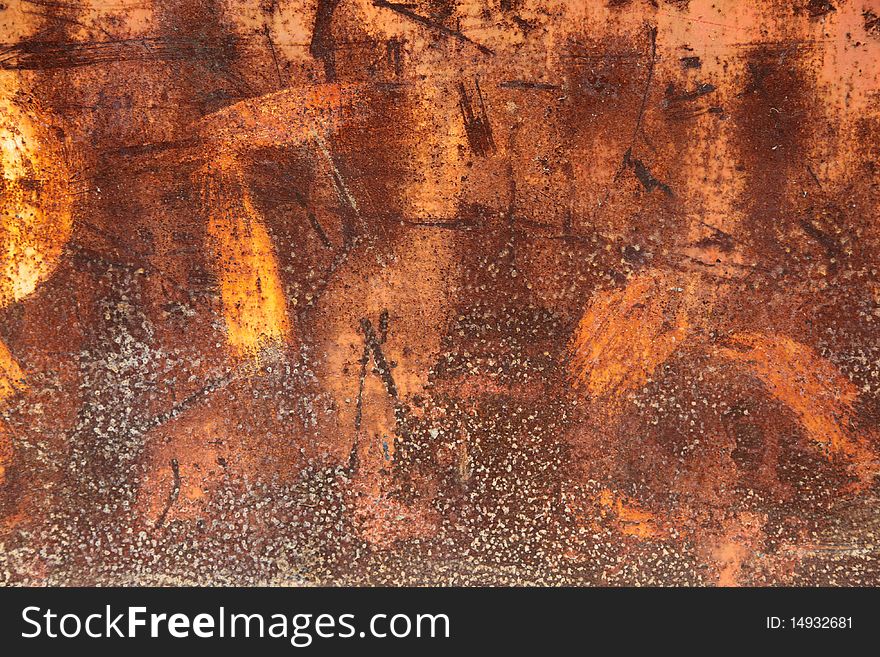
[440, 292]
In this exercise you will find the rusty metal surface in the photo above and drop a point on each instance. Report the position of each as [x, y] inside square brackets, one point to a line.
[439, 292]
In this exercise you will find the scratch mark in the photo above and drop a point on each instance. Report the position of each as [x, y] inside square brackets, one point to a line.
[338, 181]
[403, 10]
[652, 31]
[274, 56]
[528, 85]
[652, 34]
[313, 220]
[379, 357]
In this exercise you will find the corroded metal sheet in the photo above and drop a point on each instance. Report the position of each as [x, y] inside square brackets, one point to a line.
[440, 292]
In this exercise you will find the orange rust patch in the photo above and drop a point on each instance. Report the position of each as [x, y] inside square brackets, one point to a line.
[35, 223]
[469, 183]
[632, 519]
[625, 334]
[254, 304]
[11, 375]
[808, 384]
[35, 202]
[286, 117]
[5, 450]
[738, 542]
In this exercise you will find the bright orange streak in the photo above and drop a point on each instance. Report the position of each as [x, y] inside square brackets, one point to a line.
[625, 334]
[36, 214]
[254, 306]
[818, 394]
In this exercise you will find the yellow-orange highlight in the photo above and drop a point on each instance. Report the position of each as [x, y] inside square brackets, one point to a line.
[254, 307]
[36, 216]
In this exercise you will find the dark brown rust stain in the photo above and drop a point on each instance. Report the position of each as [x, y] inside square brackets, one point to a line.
[483, 293]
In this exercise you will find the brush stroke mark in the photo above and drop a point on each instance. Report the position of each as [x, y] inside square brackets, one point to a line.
[35, 55]
[624, 335]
